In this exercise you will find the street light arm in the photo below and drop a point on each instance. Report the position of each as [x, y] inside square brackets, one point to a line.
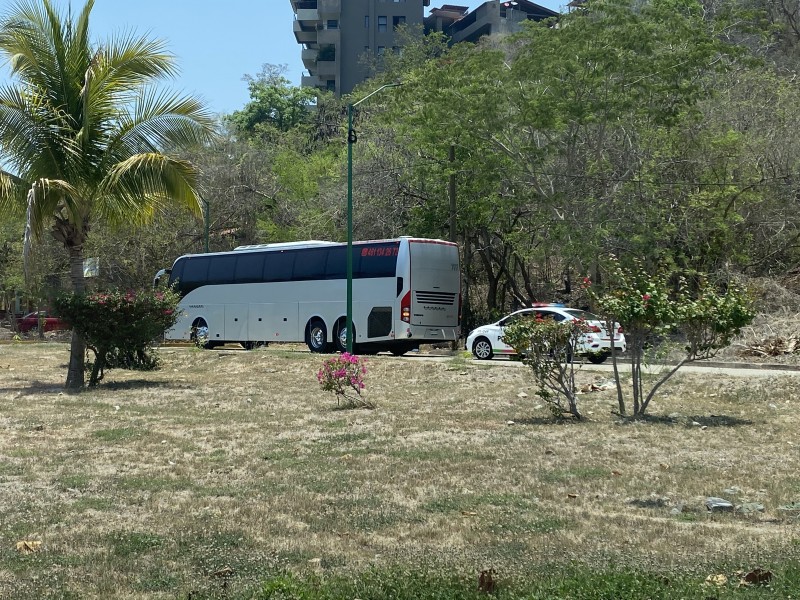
[383, 87]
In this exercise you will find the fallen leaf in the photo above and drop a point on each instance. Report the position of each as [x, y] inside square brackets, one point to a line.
[616, 473]
[486, 581]
[719, 580]
[757, 577]
[224, 572]
[572, 496]
[28, 546]
[469, 513]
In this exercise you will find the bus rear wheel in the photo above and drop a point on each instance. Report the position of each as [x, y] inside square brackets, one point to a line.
[340, 337]
[317, 336]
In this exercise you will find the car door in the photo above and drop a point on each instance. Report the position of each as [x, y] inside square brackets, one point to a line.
[498, 344]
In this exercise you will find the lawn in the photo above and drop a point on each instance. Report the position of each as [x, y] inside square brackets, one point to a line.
[229, 474]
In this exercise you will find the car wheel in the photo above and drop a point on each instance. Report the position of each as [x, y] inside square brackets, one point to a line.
[597, 358]
[482, 349]
[317, 337]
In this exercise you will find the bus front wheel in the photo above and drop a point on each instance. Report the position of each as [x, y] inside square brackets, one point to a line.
[199, 334]
[317, 336]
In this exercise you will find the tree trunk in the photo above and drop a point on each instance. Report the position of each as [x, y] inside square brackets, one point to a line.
[77, 349]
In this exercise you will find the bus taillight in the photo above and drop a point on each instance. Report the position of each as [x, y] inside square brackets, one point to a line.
[405, 308]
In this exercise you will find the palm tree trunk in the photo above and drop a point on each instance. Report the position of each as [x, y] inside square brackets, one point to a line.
[77, 349]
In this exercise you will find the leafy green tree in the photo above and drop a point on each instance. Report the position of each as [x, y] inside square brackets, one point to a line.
[86, 134]
[275, 105]
[649, 304]
[120, 327]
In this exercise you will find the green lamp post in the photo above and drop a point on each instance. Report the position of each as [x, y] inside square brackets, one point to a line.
[351, 139]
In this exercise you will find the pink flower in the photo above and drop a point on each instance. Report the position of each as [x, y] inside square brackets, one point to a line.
[645, 297]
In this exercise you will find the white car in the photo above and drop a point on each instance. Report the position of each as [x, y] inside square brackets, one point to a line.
[486, 341]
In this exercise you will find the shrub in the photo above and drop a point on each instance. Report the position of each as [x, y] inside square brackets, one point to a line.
[344, 376]
[648, 305]
[119, 327]
[547, 347]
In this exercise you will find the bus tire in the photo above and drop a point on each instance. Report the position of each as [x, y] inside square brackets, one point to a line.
[340, 337]
[199, 334]
[317, 336]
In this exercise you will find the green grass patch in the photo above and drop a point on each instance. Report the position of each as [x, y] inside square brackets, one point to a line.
[118, 435]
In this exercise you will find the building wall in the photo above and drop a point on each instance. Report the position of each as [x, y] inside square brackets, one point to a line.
[355, 28]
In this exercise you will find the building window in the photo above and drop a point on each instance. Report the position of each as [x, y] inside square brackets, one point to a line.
[397, 21]
[332, 24]
[381, 50]
[331, 85]
[382, 24]
[366, 21]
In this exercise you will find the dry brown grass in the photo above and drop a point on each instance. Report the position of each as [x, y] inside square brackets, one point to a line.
[155, 483]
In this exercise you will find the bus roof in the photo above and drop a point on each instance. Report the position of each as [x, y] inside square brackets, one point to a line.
[286, 245]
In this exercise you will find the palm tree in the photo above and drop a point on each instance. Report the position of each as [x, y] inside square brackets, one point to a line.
[86, 134]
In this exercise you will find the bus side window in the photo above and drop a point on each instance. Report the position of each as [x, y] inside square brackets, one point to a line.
[377, 260]
[249, 268]
[220, 271]
[310, 264]
[278, 266]
[177, 272]
[336, 267]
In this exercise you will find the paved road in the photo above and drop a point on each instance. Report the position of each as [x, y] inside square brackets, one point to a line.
[751, 370]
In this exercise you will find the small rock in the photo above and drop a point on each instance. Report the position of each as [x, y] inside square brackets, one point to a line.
[732, 491]
[714, 504]
[748, 508]
[510, 423]
[522, 395]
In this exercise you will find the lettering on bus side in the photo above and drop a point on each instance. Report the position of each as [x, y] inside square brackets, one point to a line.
[379, 251]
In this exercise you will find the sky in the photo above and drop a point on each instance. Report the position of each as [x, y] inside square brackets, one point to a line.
[216, 43]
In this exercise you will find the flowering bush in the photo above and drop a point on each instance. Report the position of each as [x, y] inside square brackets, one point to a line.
[119, 327]
[344, 376]
[668, 303]
[547, 347]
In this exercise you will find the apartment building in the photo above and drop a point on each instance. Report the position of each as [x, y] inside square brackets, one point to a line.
[492, 17]
[338, 35]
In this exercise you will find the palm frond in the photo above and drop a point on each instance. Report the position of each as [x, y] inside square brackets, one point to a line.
[144, 183]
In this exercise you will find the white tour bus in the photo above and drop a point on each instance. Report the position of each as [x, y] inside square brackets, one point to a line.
[406, 291]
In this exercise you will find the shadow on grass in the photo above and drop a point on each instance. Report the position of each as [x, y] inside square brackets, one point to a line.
[41, 387]
[688, 420]
[549, 421]
[137, 384]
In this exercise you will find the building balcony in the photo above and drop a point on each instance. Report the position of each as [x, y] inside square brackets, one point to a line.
[309, 56]
[304, 35]
[308, 16]
[327, 69]
[329, 37]
[311, 81]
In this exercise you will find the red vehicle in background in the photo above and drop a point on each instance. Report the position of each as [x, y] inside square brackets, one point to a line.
[30, 322]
